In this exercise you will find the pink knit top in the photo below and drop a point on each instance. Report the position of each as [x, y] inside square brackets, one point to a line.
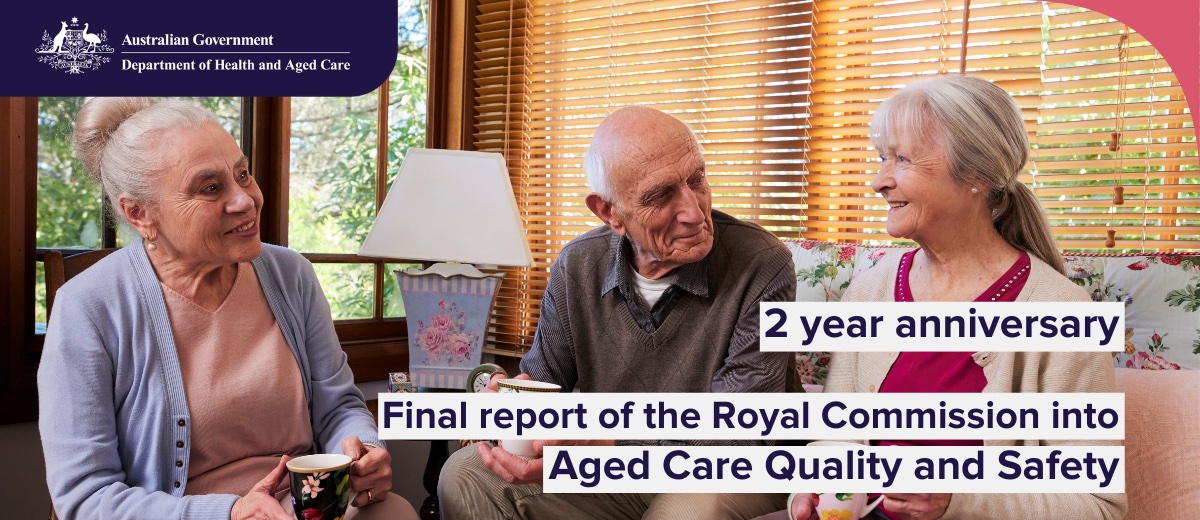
[920, 372]
[243, 388]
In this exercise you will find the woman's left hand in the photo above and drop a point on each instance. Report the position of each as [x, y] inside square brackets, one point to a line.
[371, 473]
[917, 506]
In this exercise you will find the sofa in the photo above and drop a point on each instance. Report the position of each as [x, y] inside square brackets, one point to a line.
[1157, 369]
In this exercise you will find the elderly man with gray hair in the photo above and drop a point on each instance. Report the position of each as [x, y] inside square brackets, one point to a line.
[663, 298]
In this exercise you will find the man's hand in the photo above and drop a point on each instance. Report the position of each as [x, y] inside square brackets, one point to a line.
[371, 473]
[917, 506]
[514, 469]
[260, 502]
[496, 377]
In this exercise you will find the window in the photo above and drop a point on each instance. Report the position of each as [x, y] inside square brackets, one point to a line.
[864, 50]
[546, 73]
[1100, 78]
[51, 203]
[343, 155]
[1062, 65]
[782, 93]
[71, 210]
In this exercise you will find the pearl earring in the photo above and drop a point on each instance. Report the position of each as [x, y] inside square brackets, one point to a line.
[974, 190]
[150, 245]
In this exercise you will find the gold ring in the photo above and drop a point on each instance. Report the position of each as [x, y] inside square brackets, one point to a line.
[369, 497]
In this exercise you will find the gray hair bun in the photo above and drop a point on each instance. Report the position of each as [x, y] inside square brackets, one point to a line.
[94, 127]
[118, 141]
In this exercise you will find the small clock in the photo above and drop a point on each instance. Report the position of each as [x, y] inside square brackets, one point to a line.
[479, 377]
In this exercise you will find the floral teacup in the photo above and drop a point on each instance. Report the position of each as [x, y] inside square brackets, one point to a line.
[839, 506]
[320, 486]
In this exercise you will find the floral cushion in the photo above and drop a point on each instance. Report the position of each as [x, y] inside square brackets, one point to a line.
[1161, 292]
[1162, 313]
[823, 272]
[824, 269]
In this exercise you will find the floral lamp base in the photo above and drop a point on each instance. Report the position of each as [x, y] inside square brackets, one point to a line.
[447, 324]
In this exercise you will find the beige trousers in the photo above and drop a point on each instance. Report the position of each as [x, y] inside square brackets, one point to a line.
[467, 490]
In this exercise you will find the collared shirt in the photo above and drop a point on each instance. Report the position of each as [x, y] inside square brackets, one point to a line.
[744, 367]
[692, 278]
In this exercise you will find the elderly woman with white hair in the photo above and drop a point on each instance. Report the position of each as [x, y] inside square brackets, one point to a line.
[180, 373]
[952, 149]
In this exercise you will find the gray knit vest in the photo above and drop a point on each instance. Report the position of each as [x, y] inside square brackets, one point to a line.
[613, 354]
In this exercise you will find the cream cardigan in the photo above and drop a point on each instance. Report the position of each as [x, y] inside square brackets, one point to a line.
[1005, 372]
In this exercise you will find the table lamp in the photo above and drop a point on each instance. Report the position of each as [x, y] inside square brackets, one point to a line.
[456, 208]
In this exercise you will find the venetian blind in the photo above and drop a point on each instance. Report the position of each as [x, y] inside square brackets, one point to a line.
[863, 51]
[548, 71]
[1091, 91]
[1061, 63]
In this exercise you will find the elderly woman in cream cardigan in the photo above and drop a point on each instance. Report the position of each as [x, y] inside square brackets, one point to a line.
[951, 150]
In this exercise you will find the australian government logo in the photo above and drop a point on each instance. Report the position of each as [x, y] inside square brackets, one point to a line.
[74, 49]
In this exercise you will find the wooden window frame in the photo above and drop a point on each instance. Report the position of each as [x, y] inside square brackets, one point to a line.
[373, 346]
[18, 191]
[531, 101]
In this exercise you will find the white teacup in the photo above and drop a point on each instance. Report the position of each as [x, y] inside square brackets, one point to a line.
[520, 447]
[517, 386]
[843, 506]
[523, 447]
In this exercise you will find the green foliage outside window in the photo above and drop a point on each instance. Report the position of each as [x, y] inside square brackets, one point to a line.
[333, 182]
[333, 167]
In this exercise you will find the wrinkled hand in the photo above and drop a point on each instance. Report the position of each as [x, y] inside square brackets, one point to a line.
[802, 507]
[260, 502]
[917, 506]
[514, 469]
[371, 473]
[496, 377]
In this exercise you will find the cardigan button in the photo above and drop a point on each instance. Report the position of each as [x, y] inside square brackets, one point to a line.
[871, 388]
[179, 463]
[176, 483]
[182, 422]
[179, 444]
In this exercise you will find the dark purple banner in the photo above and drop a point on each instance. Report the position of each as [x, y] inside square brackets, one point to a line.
[210, 48]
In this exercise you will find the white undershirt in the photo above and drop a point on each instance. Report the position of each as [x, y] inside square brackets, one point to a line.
[651, 290]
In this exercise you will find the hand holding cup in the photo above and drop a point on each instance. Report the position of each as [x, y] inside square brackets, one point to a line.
[371, 472]
[260, 502]
[523, 447]
[523, 470]
[517, 461]
[843, 506]
[320, 485]
[493, 385]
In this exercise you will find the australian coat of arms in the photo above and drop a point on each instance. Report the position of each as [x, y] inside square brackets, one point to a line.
[73, 49]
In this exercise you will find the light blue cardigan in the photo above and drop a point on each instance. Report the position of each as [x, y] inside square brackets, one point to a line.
[113, 414]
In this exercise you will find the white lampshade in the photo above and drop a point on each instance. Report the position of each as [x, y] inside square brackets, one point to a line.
[450, 206]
